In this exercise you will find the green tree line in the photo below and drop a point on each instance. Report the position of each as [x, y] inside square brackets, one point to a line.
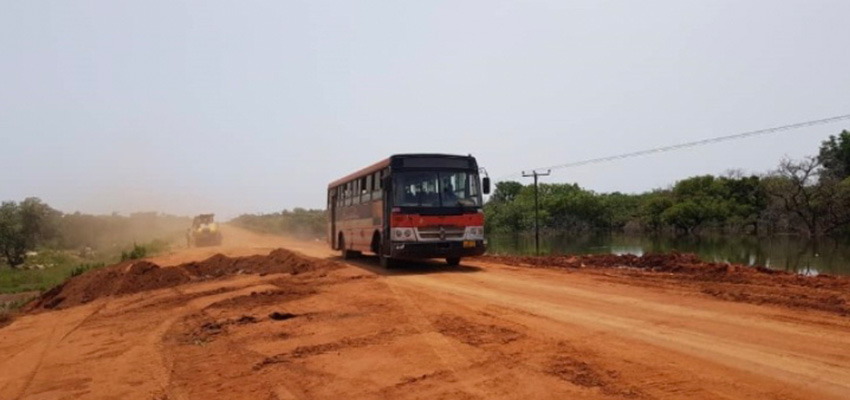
[32, 224]
[810, 197]
[299, 221]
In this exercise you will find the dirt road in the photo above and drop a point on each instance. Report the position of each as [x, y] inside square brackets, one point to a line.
[481, 331]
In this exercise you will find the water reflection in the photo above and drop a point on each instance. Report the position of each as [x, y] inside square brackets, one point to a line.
[787, 253]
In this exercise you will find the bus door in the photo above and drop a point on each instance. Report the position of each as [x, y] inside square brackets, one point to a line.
[333, 218]
[386, 192]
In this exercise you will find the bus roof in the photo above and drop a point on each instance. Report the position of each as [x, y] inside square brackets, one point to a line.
[386, 162]
[365, 171]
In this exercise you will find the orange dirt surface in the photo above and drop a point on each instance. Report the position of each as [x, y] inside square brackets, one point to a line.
[758, 285]
[300, 323]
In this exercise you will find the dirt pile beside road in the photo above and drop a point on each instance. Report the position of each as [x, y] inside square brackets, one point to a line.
[733, 282]
[679, 263]
[673, 262]
[140, 276]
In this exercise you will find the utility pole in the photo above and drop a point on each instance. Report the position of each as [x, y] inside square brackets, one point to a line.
[536, 174]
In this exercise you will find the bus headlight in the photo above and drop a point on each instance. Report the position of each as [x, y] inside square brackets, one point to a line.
[474, 233]
[403, 234]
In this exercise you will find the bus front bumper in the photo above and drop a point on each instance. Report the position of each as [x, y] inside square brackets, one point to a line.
[442, 249]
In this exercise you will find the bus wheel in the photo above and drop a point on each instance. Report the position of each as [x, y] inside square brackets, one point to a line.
[453, 261]
[346, 255]
[386, 261]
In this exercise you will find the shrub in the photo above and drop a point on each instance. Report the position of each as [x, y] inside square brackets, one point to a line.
[82, 268]
[135, 254]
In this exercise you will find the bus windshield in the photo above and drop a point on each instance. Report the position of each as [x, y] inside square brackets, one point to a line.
[436, 189]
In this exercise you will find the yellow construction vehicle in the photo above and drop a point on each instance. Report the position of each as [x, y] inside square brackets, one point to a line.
[204, 232]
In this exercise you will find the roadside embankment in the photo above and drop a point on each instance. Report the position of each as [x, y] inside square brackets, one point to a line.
[733, 282]
[138, 276]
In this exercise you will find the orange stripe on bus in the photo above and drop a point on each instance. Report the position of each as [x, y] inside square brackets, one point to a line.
[416, 220]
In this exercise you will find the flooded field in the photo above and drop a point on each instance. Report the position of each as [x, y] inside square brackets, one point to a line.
[785, 253]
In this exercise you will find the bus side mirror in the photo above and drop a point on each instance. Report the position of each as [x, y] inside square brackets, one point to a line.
[486, 183]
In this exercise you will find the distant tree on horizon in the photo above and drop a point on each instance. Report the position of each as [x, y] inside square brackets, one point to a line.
[23, 226]
[834, 155]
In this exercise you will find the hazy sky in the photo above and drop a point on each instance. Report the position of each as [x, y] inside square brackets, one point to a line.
[245, 106]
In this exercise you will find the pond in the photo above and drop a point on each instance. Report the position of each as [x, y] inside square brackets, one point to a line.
[786, 253]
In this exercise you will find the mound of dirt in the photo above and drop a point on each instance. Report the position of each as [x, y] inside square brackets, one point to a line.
[675, 262]
[732, 282]
[140, 276]
[685, 264]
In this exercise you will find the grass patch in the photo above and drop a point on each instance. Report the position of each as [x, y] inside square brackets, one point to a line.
[82, 268]
[142, 251]
[40, 272]
[52, 267]
[26, 280]
[135, 254]
[16, 304]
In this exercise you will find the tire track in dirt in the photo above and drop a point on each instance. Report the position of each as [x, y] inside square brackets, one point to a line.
[682, 315]
[451, 357]
[156, 339]
[186, 379]
[729, 352]
[520, 350]
[55, 337]
[34, 369]
[677, 357]
[52, 343]
[428, 331]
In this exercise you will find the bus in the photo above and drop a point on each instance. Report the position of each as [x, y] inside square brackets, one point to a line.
[410, 206]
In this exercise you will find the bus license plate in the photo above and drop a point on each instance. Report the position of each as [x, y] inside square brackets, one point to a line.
[468, 243]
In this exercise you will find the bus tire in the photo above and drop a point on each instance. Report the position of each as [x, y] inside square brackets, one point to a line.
[387, 262]
[453, 261]
[376, 243]
[346, 255]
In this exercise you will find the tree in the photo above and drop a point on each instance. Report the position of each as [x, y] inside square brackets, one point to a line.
[299, 221]
[652, 208]
[621, 208]
[571, 208]
[746, 201]
[793, 183]
[24, 226]
[834, 156]
[506, 191]
[40, 221]
[12, 242]
[686, 216]
[508, 217]
[811, 196]
[696, 201]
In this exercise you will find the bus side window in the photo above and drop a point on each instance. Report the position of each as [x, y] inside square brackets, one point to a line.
[355, 192]
[339, 196]
[348, 194]
[366, 189]
[376, 186]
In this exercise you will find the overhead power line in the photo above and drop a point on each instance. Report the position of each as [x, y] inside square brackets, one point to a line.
[697, 143]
